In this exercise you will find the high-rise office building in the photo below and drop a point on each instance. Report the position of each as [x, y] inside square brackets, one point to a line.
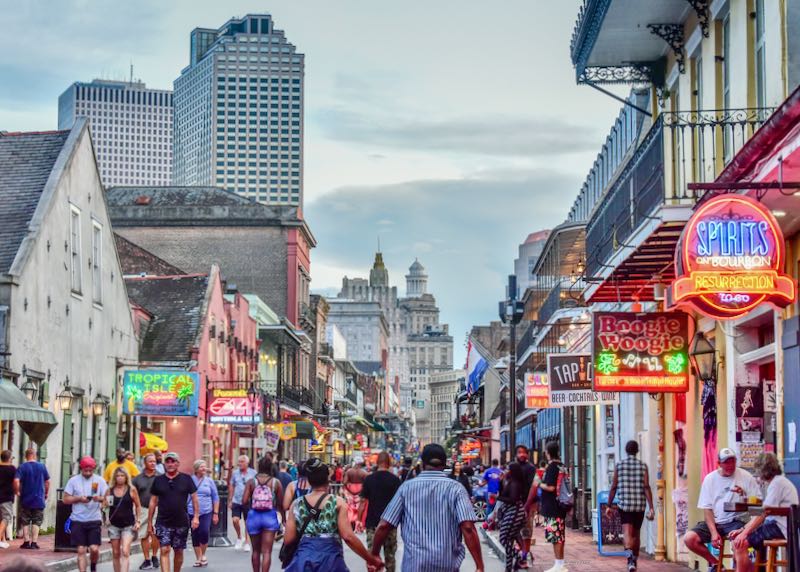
[131, 129]
[239, 112]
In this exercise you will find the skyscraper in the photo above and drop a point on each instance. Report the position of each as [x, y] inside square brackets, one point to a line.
[239, 112]
[131, 129]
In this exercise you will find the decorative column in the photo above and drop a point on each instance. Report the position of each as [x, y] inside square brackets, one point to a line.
[661, 513]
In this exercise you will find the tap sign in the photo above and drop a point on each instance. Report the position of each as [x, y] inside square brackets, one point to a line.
[571, 382]
[730, 259]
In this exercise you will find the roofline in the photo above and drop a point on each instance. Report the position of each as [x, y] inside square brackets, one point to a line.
[170, 277]
[213, 279]
[563, 227]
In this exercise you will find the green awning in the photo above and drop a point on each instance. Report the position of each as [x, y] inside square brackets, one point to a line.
[378, 427]
[36, 421]
[305, 429]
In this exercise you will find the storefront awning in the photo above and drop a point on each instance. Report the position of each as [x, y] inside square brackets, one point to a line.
[36, 421]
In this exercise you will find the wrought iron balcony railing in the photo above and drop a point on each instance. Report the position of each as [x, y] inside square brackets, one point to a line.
[559, 297]
[526, 339]
[298, 395]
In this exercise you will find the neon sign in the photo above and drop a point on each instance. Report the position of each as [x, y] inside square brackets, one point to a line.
[233, 406]
[537, 391]
[641, 352]
[154, 393]
[730, 259]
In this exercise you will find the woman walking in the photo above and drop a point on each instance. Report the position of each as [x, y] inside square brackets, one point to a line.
[123, 518]
[296, 489]
[459, 475]
[263, 494]
[512, 495]
[208, 504]
[324, 517]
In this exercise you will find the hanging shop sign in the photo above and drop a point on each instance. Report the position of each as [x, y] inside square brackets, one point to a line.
[641, 352]
[730, 259]
[233, 406]
[571, 382]
[160, 393]
[470, 449]
[271, 438]
[537, 391]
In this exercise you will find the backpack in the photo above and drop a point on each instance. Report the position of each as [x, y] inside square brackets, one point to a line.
[263, 496]
[564, 496]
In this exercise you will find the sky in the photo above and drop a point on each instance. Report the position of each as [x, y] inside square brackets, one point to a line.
[447, 130]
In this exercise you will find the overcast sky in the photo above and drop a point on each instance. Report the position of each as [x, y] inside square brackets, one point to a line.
[451, 129]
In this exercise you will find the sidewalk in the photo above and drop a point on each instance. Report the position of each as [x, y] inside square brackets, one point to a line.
[581, 554]
[57, 561]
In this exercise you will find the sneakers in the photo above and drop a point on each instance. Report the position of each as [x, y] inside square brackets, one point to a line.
[4, 544]
[34, 546]
[247, 547]
[146, 565]
[25, 546]
[557, 568]
[631, 563]
[238, 545]
[156, 563]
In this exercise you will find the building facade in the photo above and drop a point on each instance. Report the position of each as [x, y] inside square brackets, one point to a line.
[131, 129]
[239, 112]
[445, 387]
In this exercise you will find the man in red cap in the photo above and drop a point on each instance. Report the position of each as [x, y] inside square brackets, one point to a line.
[85, 492]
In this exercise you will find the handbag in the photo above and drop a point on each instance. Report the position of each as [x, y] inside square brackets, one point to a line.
[286, 555]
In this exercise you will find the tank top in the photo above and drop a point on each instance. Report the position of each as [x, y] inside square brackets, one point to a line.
[326, 526]
[121, 511]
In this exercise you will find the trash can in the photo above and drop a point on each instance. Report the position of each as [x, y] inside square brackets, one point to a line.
[62, 539]
[219, 532]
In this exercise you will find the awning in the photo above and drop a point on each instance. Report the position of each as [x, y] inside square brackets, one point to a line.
[36, 421]
[149, 442]
[378, 427]
[305, 430]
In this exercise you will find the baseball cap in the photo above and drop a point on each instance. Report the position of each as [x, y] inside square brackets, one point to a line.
[434, 455]
[172, 455]
[87, 463]
[726, 453]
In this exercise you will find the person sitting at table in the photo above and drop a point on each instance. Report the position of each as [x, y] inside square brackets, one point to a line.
[781, 493]
[725, 485]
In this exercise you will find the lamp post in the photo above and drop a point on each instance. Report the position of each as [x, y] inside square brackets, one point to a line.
[98, 406]
[252, 395]
[703, 356]
[511, 311]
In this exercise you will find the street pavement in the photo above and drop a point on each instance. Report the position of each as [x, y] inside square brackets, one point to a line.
[230, 560]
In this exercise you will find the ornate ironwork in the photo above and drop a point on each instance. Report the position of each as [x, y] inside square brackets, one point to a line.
[701, 9]
[636, 73]
[672, 34]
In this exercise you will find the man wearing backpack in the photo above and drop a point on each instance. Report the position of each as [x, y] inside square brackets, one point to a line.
[553, 510]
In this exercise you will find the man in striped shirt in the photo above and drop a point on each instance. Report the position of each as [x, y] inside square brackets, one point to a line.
[435, 513]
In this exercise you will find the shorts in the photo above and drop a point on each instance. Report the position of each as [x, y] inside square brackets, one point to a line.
[527, 527]
[240, 510]
[634, 518]
[85, 533]
[724, 530]
[262, 520]
[33, 516]
[176, 537]
[115, 532]
[767, 531]
[555, 530]
[7, 512]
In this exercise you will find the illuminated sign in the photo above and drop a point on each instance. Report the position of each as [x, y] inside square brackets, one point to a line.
[232, 406]
[470, 448]
[730, 259]
[571, 382]
[537, 391]
[160, 393]
[641, 351]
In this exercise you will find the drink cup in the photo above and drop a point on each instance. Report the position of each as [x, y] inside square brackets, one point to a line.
[94, 489]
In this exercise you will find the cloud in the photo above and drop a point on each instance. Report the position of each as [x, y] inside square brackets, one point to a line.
[464, 231]
[496, 135]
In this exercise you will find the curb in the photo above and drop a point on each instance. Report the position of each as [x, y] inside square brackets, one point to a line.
[494, 544]
[71, 562]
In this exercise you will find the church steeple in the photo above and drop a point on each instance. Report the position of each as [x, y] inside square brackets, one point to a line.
[379, 275]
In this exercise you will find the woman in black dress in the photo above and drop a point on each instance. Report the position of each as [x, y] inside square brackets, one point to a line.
[512, 495]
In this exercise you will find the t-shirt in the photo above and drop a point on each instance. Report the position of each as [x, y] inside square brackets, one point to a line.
[238, 480]
[131, 468]
[493, 477]
[80, 486]
[285, 478]
[7, 473]
[379, 489]
[144, 484]
[32, 476]
[529, 471]
[716, 491]
[549, 507]
[173, 494]
[781, 492]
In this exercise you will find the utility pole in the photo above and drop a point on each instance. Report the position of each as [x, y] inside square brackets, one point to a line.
[511, 313]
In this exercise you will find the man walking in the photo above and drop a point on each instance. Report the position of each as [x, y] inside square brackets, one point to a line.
[170, 495]
[378, 491]
[239, 478]
[283, 474]
[32, 485]
[435, 513]
[492, 478]
[631, 489]
[727, 484]
[144, 485]
[159, 462]
[7, 473]
[554, 516]
[122, 461]
[86, 493]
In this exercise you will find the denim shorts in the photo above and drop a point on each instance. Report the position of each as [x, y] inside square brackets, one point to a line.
[767, 531]
[116, 532]
[259, 521]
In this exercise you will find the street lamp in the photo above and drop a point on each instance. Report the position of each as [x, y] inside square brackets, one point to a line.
[703, 356]
[98, 406]
[511, 313]
[65, 397]
[29, 389]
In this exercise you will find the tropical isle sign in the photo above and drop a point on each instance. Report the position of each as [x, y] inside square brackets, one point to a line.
[730, 259]
[160, 392]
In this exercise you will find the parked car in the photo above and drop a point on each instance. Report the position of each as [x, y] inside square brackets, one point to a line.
[480, 498]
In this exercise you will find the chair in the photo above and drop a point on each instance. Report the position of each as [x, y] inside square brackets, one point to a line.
[723, 555]
[772, 563]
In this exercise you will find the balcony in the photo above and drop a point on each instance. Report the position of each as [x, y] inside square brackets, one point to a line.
[298, 396]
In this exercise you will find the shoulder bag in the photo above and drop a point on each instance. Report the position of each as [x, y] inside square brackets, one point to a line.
[288, 551]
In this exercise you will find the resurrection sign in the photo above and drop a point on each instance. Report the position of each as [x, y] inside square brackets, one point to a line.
[646, 352]
[571, 382]
[160, 393]
[232, 406]
[537, 391]
[730, 259]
